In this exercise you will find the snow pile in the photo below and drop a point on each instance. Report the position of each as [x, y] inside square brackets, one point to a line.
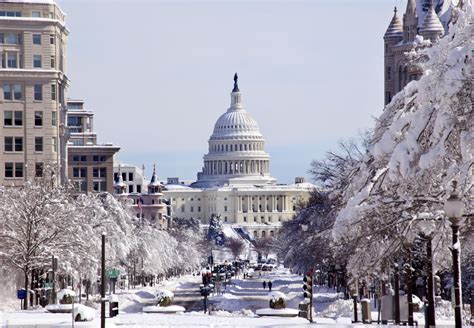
[276, 295]
[337, 309]
[83, 313]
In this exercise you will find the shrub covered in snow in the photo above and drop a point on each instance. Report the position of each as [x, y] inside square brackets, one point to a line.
[277, 300]
[165, 297]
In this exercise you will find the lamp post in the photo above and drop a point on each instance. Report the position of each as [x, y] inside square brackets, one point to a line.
[454, 208]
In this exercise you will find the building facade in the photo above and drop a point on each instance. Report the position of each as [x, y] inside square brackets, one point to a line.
[148, 205]
[235, 181]
[424, 22]
[33, 83]
[90, 165]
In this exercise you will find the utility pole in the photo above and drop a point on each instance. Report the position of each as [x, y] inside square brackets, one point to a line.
[102, 285]
[396, 300]
[431, 318]
[53, 277]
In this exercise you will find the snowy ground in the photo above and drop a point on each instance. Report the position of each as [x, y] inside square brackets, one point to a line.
[235, 308]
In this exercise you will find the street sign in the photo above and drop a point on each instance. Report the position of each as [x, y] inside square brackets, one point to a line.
[21, 294]
[113, 273]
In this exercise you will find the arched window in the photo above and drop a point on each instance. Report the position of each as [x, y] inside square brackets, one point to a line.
[230, 147]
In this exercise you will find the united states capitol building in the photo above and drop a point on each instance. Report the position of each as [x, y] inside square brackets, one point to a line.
[235, 180]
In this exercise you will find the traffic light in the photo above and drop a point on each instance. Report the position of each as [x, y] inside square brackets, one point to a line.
[308, 287]
[437, 282]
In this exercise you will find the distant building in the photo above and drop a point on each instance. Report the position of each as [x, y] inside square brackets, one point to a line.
[148, 204]
[33, 83]
[132, 176]
[235, 180]
[423, 20]
[90, 165]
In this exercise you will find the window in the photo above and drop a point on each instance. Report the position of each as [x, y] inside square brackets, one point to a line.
[130, 189]
[99, 186]
[38, 143]
[2, 38]
[18, 118]
[225, 218]
[182, 208]
[18, 170]
[124, 176]
[51, 39]
[13, 144]
[130, 176]
[245, 219]
[36, 38]
[225, 208]
[79, 158]
[192, 209]
[12, 60]
[254, 219]
[36, 13]
[38, 92]
[37, 61]
[54, 141]
[199, 208]
[99, 172]
[8, 118]
[7, 92]
[53, 62]
[139, 189]
[39, 118]
[12, 91]
[8, 170]
[18, 143]
[39, 170]
[12, 38]
[53, 118]
[79, 172]
[97, 158]
[17, 92]
[389, 73]
[8, 144]
[82, 185]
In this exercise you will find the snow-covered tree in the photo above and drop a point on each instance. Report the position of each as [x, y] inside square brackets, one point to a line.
[215, 233]
[421, 143]
[236, 246]
[37, 221]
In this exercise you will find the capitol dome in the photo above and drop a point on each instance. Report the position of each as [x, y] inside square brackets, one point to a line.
[236, 122]
[236, 149]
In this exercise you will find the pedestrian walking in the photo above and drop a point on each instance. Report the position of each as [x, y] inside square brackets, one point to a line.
[264, 284]
[270, 285]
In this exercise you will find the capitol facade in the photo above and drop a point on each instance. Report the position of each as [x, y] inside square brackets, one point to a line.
[235, 181]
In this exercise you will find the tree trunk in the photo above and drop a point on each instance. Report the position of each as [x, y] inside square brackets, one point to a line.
[25, 301]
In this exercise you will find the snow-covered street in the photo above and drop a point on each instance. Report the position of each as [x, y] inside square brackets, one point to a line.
[236, 307]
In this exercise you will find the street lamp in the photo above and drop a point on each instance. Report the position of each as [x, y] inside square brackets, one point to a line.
[454, 208]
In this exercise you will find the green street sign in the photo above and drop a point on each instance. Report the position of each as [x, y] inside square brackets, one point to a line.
[113, 273]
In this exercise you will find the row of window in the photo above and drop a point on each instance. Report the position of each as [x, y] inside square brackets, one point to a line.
[97, 172]
[15, 144]
[15, 92]
[16, 38]
[83, 158]
[98, 186]
[237, 147]
[183, 208]
[34, 13]
[16, 170]
[15, 118]
[14, 60]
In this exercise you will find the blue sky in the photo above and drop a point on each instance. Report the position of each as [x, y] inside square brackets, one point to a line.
[159, 73]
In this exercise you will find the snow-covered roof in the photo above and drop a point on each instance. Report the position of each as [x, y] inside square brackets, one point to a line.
[178, 187]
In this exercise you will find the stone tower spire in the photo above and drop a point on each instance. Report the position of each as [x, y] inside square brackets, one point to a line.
[393, 36]
[432, 27]
[410, 22]
[395, 28]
